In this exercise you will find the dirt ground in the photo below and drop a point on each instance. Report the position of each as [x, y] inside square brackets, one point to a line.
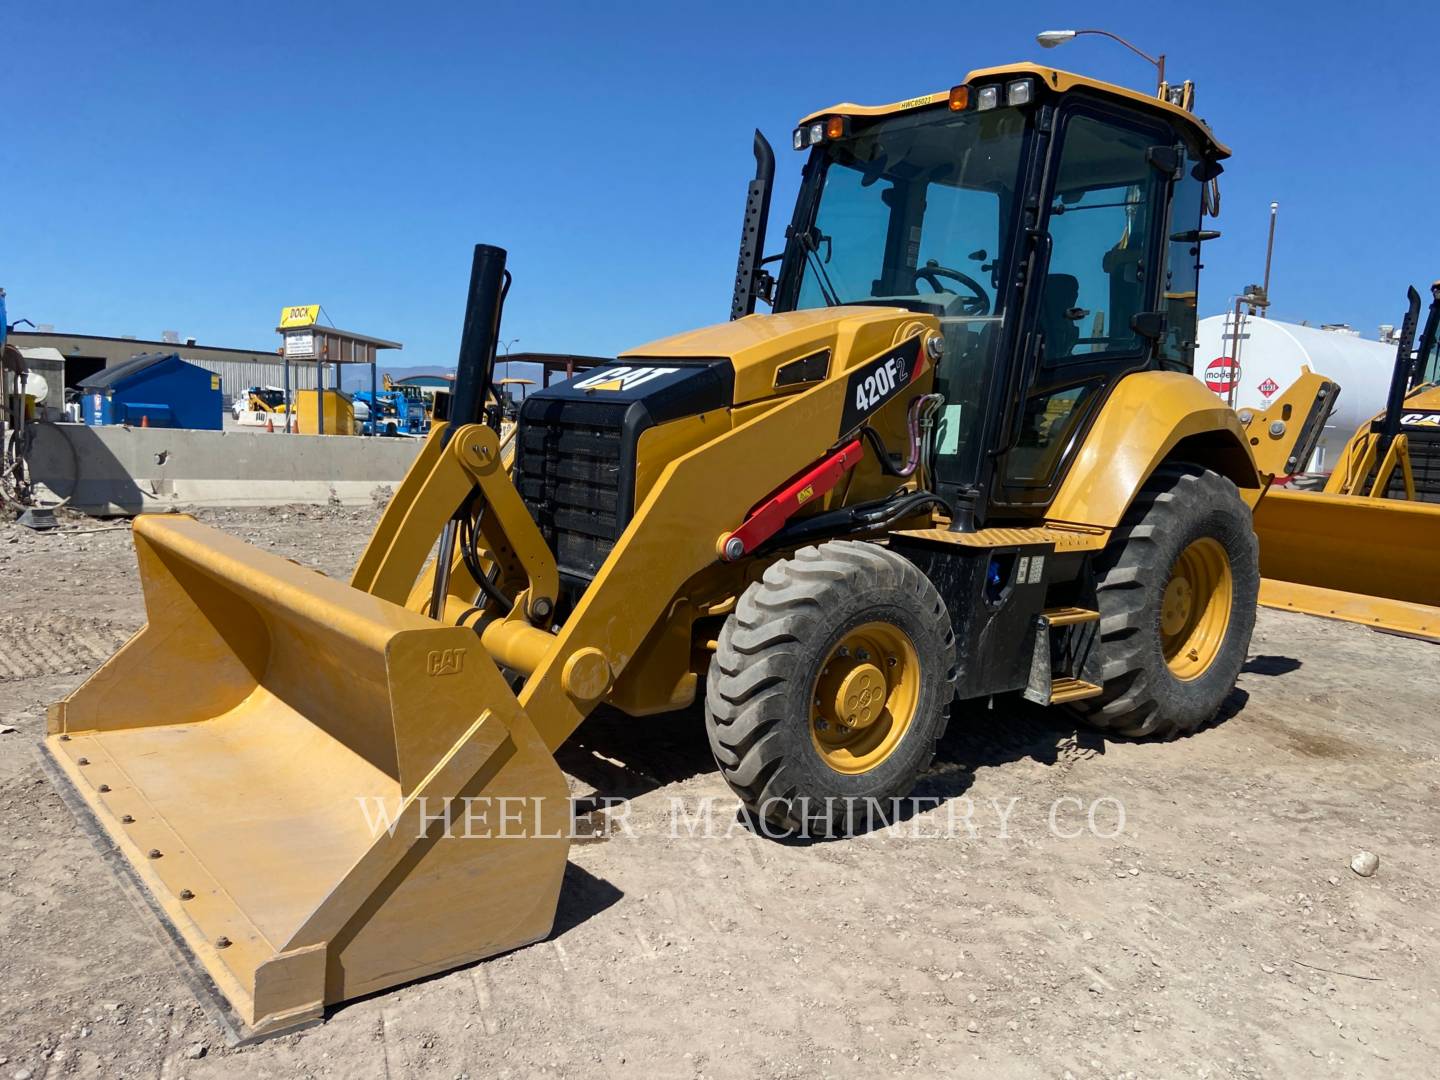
[1217, 930]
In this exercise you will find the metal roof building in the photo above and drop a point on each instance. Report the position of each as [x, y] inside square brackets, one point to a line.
[89, 354]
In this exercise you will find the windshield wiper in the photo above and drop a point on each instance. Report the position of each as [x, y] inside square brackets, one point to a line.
[808, 241]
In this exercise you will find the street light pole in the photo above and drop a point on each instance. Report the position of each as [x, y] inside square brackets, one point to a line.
[506, 346]
[1049, 39]
[1269, 251]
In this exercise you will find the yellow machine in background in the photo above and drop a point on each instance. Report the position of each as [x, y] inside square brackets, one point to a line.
[1397, 455]
[266, 399]
[967, 462]
[1364, 549]
[339, 418]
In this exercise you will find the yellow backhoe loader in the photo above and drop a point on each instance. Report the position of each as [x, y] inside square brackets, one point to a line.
[961, 457]
[1364, 549]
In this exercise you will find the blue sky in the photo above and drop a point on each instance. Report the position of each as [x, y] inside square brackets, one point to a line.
[195, 167]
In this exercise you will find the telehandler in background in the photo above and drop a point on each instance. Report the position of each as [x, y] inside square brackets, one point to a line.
[1364, 549]
[963, 456]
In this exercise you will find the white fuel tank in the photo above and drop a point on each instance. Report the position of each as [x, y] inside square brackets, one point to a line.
[1270, 356]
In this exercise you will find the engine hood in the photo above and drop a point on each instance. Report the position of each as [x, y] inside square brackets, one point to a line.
[778, 354]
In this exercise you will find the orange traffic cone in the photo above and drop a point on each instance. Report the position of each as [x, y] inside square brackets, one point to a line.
[270, 424]
[144, 420]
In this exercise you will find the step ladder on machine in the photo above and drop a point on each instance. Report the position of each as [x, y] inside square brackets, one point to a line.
[1063, 638]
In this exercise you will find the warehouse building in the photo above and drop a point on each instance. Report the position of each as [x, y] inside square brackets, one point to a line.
[89, 354]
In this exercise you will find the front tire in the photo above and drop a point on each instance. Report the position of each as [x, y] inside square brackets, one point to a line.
[830, 686]
[1176, 592]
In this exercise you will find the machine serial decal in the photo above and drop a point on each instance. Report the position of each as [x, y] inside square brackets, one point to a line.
[877, 381]
[622, 378]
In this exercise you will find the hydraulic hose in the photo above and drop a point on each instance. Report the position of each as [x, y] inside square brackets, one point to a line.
[850, 520]
[919, 411]
[469, 528]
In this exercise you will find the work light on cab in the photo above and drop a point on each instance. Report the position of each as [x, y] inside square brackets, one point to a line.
[818, 131]
[807, 135]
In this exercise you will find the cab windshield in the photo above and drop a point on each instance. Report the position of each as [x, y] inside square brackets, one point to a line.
[918, 212]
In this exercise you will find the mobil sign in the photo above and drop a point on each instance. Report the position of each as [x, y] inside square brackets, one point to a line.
[1221, 374]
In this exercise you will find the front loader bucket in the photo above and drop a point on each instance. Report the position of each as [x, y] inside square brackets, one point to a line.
[1370, 561]
[323, 794]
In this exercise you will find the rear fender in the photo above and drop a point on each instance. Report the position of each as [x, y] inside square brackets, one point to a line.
[1152, 418]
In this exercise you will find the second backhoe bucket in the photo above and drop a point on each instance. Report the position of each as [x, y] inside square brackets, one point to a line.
[323, 794]
[1370, 561]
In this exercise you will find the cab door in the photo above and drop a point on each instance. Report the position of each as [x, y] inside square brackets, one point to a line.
[1104, 205]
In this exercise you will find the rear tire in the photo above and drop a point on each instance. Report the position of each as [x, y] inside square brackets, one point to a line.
[1177, 589]
[830, 686]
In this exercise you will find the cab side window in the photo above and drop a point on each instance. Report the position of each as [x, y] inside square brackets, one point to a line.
[1182, 269]
[1101, 218]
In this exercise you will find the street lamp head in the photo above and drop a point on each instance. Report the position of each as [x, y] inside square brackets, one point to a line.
[1048, 39]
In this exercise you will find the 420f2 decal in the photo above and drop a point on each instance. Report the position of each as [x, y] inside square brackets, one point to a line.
[877, 381]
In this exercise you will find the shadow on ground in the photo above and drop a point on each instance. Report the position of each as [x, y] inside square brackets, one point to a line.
[624, 757]
[1270, 665]
[582, 896]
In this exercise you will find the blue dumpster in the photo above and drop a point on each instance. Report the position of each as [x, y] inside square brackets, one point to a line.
[154, 390]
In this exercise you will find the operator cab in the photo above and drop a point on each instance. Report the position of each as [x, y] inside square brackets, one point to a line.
[1050, 223]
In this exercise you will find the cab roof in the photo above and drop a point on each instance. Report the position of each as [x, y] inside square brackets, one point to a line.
[1056, 80]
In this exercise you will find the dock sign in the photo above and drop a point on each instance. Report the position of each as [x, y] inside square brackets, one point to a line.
[299, 315]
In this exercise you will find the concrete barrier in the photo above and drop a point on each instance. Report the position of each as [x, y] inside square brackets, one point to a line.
[118, 470]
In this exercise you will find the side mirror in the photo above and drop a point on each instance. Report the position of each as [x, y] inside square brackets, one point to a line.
[1165, 159]
[765, 286]
[1149, 324]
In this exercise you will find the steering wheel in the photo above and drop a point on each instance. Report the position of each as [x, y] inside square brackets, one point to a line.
[974, 306]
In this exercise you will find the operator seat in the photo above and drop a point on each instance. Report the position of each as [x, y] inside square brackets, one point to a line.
[1059, 315]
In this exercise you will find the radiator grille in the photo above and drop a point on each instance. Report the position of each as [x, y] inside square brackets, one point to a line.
[1424, 464]
[570, 474]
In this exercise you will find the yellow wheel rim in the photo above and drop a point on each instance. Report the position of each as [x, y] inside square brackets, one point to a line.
[865, 697]
[1195, 609]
